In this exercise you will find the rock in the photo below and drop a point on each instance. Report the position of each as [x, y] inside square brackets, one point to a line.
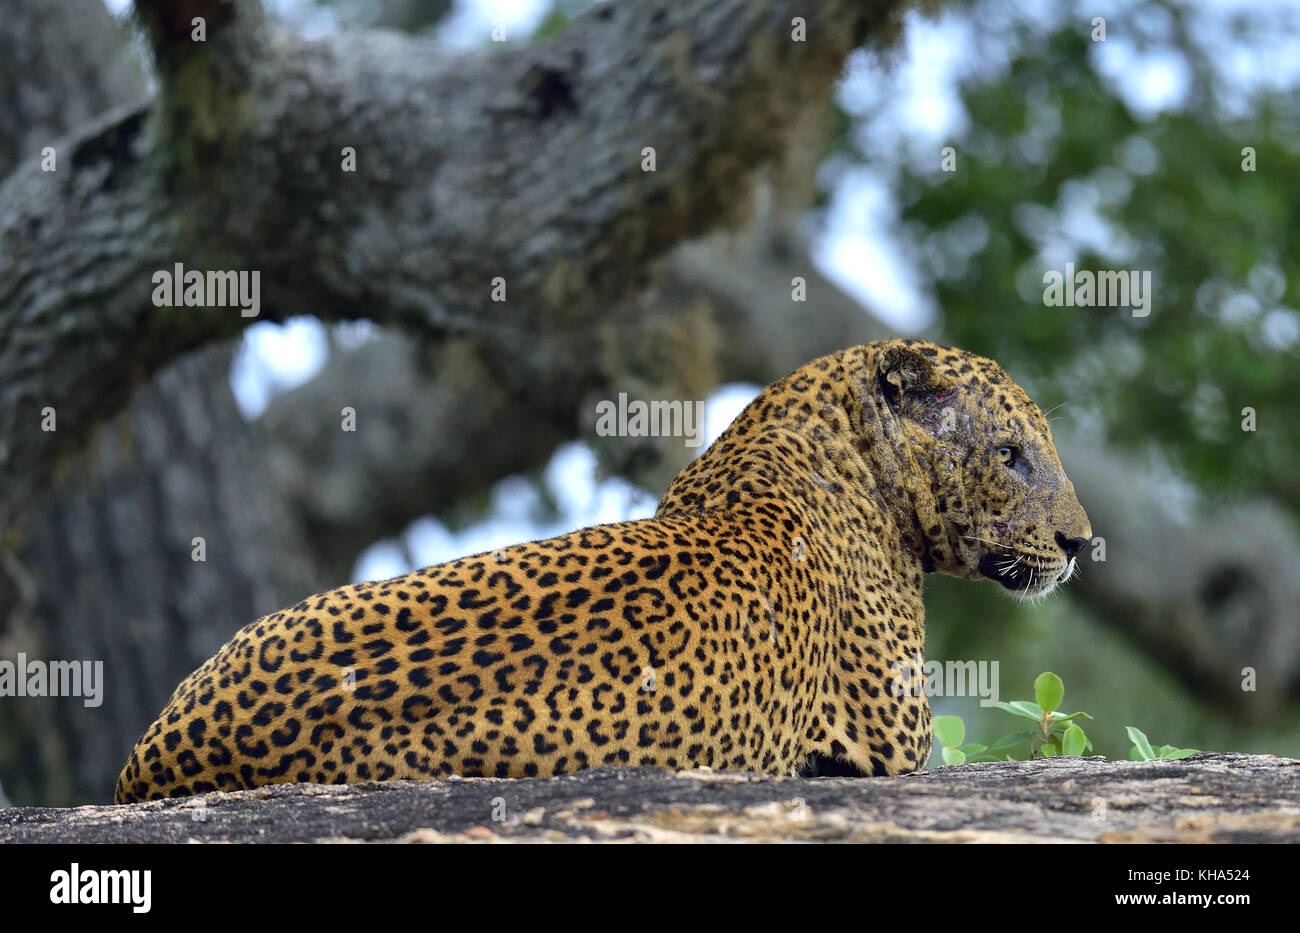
[1205, 798]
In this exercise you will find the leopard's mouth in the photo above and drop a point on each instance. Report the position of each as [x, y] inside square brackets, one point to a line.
[1023, 574]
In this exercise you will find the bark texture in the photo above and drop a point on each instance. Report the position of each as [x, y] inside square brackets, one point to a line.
[1208, 798]
[63, 63]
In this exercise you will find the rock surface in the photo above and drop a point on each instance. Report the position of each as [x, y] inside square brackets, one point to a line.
[1206, 798]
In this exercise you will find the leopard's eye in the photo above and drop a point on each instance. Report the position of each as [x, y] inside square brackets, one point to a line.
[1007, 455]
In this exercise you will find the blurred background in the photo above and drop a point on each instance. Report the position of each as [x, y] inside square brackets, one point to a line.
[1125, 153]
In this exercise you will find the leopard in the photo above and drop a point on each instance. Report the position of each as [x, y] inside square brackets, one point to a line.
[758, 621]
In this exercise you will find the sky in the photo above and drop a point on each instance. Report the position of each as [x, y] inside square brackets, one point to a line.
[915, 103]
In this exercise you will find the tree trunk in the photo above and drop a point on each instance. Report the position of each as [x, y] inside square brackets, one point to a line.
[107, 573]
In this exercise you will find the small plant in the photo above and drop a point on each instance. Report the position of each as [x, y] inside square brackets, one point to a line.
[1142, 750]
[950, 730]
[1054, 733]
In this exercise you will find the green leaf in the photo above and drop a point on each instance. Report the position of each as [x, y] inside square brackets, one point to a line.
[1141, 743]
[1048, 751]
[1013, 738]
[974, 748]
[1048, 690]
[1074, 741]
[1174, 753]
[953, 756]
[1022, 708]
[1058, 717]
[949, 730]
[1134, 754]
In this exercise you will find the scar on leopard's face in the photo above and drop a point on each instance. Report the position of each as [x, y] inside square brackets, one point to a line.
[995, 462]
[1030, 519]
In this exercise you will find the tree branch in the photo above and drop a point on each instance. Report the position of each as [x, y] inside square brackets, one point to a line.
[525, 164]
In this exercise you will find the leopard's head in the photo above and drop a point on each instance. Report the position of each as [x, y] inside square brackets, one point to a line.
[1000, 504]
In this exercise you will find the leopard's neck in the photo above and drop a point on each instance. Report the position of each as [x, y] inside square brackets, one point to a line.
[821, 443]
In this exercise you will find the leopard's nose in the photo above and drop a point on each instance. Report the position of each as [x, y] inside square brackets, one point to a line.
[1070, 546]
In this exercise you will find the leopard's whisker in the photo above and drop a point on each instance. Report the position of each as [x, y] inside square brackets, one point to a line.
[987, 541]
[1054, 407]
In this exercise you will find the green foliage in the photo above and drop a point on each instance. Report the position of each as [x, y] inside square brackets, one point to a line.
[1054, 733]
[1048, 690]
[1050, 140]
[950, 731]
[1052, 726]
[1142, 750]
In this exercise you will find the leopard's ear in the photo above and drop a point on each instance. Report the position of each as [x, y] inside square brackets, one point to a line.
[905, 372]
